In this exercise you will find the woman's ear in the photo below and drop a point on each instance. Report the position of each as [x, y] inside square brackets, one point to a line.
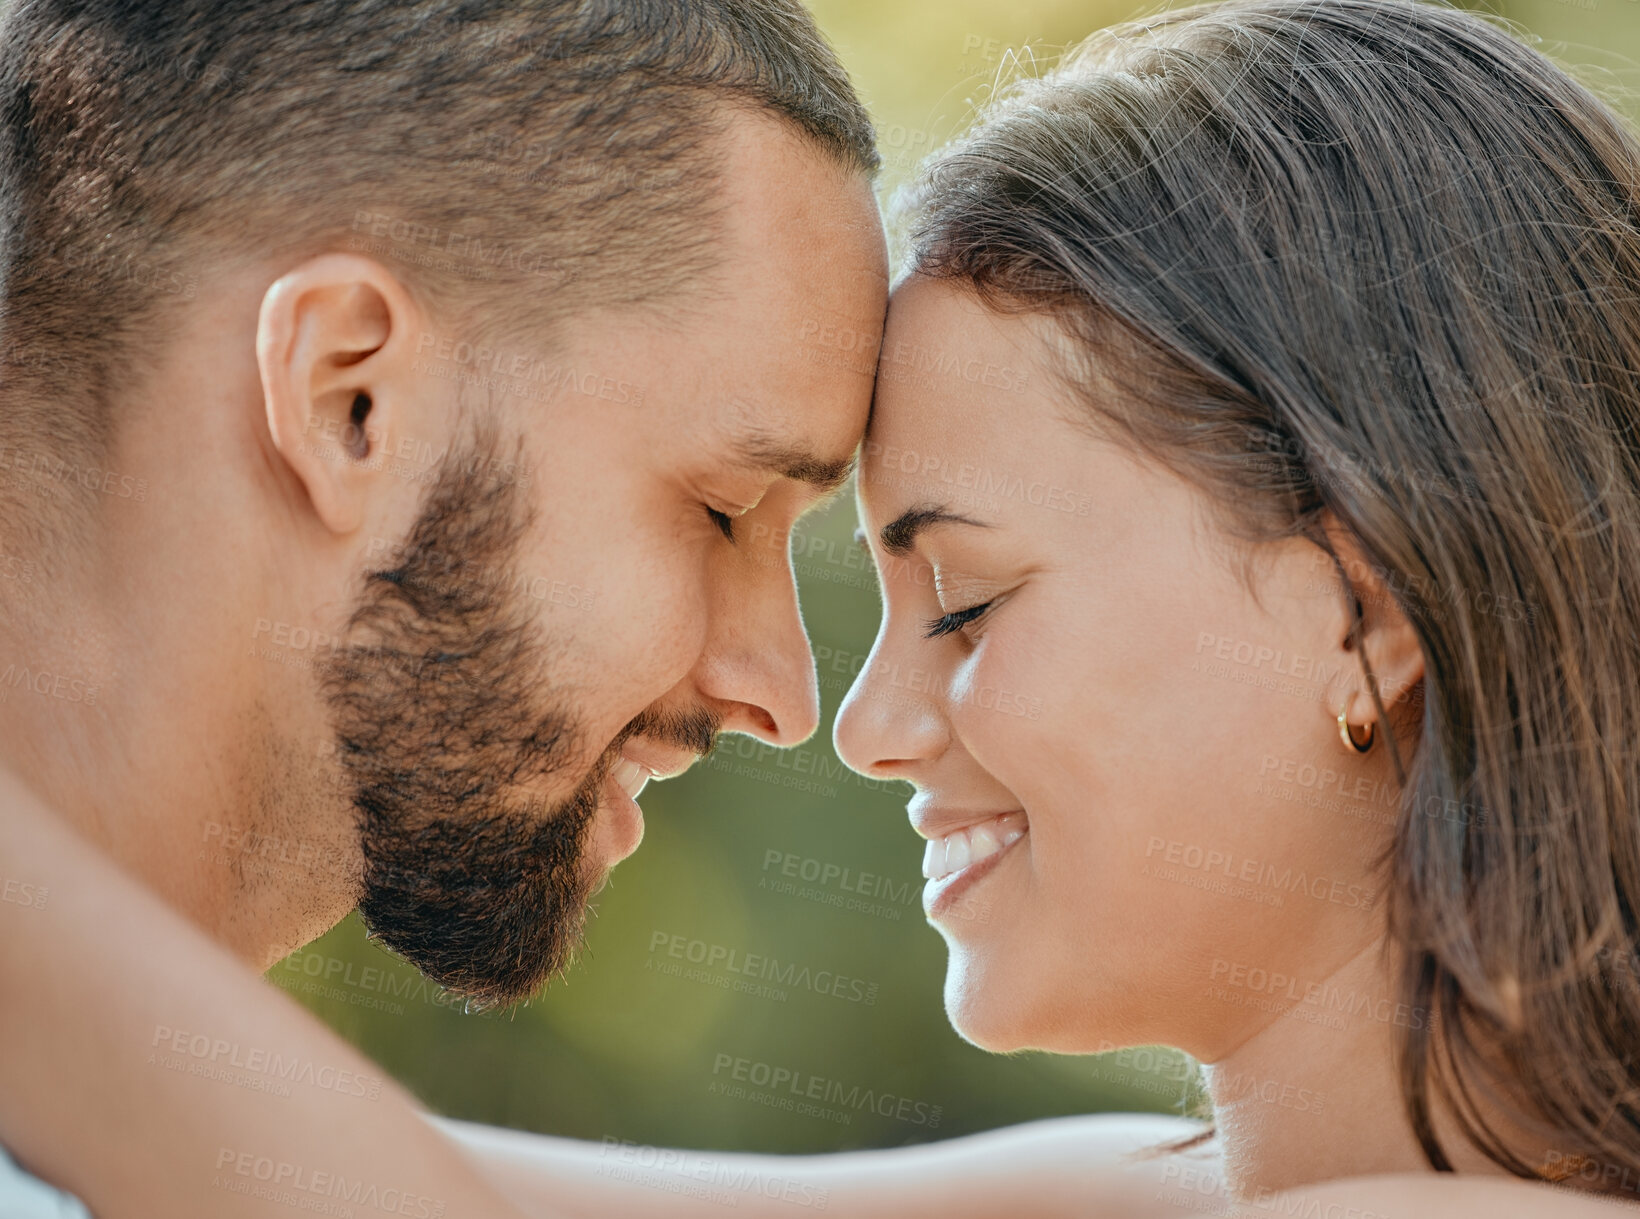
[334, 340]
[1373, 630]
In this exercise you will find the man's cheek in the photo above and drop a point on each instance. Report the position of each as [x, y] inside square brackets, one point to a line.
[627, 656]
[768, 541]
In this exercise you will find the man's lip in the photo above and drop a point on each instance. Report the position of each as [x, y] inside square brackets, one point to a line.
[660, 762]
[934, 823]
[620, 832]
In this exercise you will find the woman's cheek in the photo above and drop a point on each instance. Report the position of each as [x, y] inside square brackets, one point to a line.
[1001, 709]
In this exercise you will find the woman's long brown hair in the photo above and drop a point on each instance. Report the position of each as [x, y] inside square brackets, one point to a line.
[1381, 260]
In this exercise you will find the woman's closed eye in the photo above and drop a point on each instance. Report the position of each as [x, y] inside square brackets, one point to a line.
[955, 621]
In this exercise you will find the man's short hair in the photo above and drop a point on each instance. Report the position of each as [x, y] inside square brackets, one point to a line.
[554, 154]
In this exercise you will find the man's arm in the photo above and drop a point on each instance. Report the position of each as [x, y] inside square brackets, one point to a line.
[144, 1069]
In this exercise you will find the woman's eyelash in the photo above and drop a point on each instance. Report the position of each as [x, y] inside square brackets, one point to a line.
[954, 621]
[724, 522]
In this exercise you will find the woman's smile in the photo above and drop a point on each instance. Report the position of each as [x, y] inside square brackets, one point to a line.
[961, 860]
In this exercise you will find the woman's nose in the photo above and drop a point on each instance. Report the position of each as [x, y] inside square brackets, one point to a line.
[889, 724]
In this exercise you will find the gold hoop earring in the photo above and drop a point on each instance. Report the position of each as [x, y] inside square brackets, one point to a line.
[1349, 737]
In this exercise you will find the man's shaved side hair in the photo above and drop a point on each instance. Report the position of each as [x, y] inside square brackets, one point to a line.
[536, 158]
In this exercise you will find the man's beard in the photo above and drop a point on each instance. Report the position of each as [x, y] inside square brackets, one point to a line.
[443, 710]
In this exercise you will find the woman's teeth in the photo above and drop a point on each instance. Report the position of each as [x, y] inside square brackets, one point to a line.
[629, 776]
[963, 848]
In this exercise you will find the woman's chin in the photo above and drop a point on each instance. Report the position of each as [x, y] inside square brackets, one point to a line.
[1002, 1015]
[984, 1014]
[993, 1038]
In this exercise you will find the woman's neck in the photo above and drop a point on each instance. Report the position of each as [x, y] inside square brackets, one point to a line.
[1315, 1094]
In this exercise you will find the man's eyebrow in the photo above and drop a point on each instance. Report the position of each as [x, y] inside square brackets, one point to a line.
[793, 461]
[900, 534]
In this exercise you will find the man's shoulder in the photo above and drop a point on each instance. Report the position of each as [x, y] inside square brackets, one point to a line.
[26, 1197]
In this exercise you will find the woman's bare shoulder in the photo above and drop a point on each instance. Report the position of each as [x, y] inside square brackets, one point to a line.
[1436, 1196]
[1116, 1170]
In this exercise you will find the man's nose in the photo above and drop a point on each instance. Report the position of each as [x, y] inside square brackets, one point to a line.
[758, 669]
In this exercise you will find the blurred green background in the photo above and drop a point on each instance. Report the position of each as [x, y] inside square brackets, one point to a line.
[787, 854]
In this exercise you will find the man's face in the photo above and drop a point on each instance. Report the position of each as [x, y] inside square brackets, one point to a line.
[598, 580]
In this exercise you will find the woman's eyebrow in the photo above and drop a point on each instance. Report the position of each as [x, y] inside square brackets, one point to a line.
[900, 534]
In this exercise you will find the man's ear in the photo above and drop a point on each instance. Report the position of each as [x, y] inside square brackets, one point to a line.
[1385, 636]
[334, 343]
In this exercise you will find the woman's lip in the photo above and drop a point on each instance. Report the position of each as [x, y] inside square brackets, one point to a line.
[971, 844]
[942, 896]
[934, 823]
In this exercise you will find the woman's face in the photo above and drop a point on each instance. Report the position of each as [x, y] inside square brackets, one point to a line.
[1197, 842]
